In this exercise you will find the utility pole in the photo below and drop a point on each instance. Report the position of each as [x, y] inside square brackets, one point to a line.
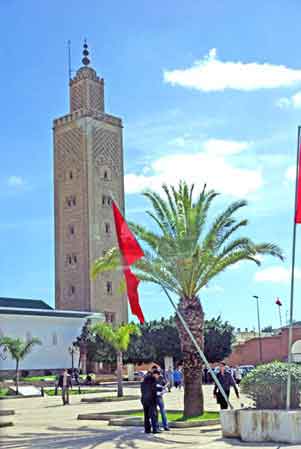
[259, 329]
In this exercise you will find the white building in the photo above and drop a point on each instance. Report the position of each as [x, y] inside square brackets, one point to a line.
[56, 329]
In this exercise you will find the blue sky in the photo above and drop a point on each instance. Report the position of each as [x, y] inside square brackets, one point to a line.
[208, 92]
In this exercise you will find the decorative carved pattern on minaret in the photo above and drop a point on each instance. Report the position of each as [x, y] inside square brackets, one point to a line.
[106, 148]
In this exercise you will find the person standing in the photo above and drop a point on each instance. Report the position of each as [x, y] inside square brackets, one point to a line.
[237, 375]
[169, 378]
[148, 399]
[161, 389]
[177, 378]
[65, 383]
[226, 380]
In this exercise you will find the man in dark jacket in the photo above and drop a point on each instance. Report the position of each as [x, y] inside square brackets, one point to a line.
[148, 399]
[65, 383]
[226, 380]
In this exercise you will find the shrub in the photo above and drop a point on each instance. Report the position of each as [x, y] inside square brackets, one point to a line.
[266, 385]
[47, 372]
[24, 373]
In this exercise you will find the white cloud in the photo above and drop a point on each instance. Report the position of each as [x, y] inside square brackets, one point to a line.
[296, 100]
[15, 181]
[211, 166]
[290, 173]
[286, 102]
[224, 147]
[211, 74]
[277, 274]
[283, 103]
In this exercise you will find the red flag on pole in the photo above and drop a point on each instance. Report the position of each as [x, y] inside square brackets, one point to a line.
[128, 245]
[278, 302]
[131, 252]
[132, 283]
[298, 193]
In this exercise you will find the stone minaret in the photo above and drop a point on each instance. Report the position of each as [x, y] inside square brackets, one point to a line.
[88, 169]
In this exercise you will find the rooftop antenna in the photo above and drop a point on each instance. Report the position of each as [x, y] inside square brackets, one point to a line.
[69, 60]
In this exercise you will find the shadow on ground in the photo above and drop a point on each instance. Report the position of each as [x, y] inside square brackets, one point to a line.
[129, 438]
[85, 437]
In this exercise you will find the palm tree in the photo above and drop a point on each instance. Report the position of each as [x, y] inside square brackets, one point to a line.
[184, 255]
[119, 338]
[18, 350]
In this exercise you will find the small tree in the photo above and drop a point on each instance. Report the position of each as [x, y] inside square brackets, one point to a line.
[266, 385]
[18, 350]
[119, 338]
[219, 336]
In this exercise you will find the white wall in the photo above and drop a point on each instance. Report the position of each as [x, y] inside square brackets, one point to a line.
[49, 355]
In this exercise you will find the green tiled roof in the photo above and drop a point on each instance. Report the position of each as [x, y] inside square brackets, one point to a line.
[24, 303]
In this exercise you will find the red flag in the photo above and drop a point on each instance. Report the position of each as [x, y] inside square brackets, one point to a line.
[278, 302]
[131, 252]
[132, 283]
[128, 245]
[298, 205]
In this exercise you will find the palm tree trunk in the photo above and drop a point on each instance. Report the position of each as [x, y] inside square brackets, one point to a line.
[119, 374]
[17, 376]
[192, 312]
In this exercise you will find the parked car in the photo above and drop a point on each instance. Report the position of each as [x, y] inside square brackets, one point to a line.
[139, 375]
[245, 369]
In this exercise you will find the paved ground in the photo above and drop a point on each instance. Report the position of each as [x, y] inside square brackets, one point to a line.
[43, 423]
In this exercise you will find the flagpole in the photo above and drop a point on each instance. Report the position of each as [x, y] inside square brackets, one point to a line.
[202, 355]
[280, 317]
[290, 332]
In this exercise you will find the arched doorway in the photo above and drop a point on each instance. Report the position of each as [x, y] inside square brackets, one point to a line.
[296, 351]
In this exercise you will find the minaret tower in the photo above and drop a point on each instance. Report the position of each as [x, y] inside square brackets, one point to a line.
[88, 170]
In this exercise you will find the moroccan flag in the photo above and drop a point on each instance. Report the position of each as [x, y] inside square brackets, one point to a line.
[128, 245]
[278, 302]
[132, 283]
[131, 252]
[298, 205]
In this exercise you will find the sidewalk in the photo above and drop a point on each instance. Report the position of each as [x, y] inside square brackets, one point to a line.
[43, 423]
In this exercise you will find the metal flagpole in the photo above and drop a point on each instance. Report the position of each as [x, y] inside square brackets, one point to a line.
[280, 317]
[290, 333]
[259, 329]
[202, 355]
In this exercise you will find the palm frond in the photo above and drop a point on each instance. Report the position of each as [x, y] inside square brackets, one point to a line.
[109, 262]
[118, 337]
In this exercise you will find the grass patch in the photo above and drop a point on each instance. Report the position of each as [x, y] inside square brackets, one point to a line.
[172, 416]
[38, 379]
[74, 391]
[4, 392]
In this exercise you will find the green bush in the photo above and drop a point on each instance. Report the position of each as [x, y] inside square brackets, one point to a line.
[266, 385]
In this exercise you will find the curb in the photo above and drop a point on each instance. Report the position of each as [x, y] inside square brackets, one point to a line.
[108, 399]
[7, 412]
[134, 421]
[6, 424]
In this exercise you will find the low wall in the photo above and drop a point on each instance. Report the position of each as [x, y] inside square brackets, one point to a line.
[252, 425]
[8, 374]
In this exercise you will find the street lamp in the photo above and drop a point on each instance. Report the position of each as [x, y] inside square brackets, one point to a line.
[72, 350]
[259, 328]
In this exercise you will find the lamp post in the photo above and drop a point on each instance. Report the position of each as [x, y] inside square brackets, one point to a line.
[72, 350]
[259, 328]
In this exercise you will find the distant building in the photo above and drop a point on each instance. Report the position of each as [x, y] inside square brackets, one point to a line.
[274, 347]
[243, 335]
[57, 330]
[88, 173]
